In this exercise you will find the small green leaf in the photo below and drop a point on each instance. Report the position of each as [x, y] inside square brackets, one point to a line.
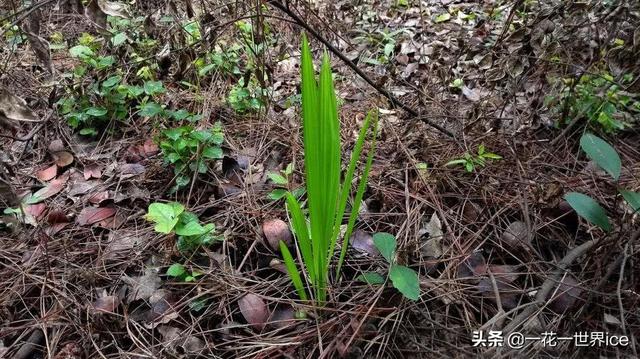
[456, 162]
[176, 270]
[192, 228]
[277, 178]
[405, 280]
[81, 51]
[588, 209]
[370, 278]
[153, 87]
[118, 39]
[165, 215]
[277, 194]
[96, 111]
[150, 109]
[443, 17]
[111, 81]
[212, 152]
[386, 244]
[600, 152]
[633, 198]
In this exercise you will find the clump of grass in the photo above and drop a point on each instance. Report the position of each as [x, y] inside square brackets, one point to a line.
[327, 197]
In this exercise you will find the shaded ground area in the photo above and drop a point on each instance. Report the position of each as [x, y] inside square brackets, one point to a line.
[497, 248]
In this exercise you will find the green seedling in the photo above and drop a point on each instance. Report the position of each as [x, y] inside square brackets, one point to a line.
[172, 218]
[180, 272]
[470, 162]
[281, 180]
[190, 150]
[606, 157]
[318, 233]
[404, 279]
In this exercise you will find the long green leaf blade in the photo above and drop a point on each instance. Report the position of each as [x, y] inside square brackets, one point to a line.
[600, 152]
[302, 234]
[292, 270]
[588, 209]
[355, 209]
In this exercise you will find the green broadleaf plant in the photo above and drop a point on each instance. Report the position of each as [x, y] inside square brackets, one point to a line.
[404, 279]
[605, 156]
[318, 233]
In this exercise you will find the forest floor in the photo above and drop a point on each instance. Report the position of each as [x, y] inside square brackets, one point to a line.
[112, 94]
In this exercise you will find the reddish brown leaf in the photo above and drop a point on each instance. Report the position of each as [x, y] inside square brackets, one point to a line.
[50, 190]
[92, 171]
[48, 173]
[96, 198]
[276, 230]
[36, 210]
[63, 158]
[106, 304]
[254, 310]
[114, 222]
[91, 215]
[150, 148]
[57, 216]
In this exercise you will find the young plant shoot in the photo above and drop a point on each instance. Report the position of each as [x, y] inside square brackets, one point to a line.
[327, 198]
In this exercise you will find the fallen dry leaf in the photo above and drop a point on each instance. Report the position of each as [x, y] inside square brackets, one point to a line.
[92, 171]
[47, 174]
[150, 147]
[98, 197]
[54, 187]
[254, 310]
[132, 169]
[144, 286]
[91, 215]
[15, 108]
[162, 308]
[363, 242]
[276, 230]
[106, 304]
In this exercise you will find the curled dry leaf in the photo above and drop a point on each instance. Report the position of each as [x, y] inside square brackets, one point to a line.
[91, 215]
[92, 171]
[62, 158]
[363, 242]
[54, 187]
[254, 310]
[41, 49]
[162, 308]
[95, 14]
[276, 230]
[142, 287]
[98, 197]
[113, 8]
[432, 247]
[47, 174]
[106, 304]
[15, 108]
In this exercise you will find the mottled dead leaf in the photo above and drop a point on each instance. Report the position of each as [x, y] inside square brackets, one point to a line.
[254, 310]
[47, 174]
[276, 230]
[91, 215]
